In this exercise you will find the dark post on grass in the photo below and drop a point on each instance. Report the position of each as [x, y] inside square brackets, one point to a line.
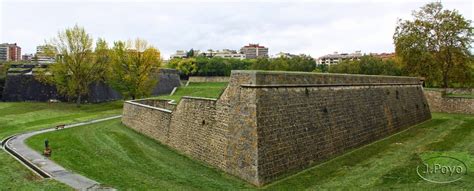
[47, 150]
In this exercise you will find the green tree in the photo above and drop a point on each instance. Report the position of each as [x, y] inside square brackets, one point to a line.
[188, 66]
[77, 66]
[345, 67]
[173, 63]
[261, 64]
[303, 63]
[133, 68]
[321, 68]
[436, 45]
[190, 53]
[369, 65]
[281, 64]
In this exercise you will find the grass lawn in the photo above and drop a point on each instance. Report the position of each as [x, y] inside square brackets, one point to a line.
[461, 95]
[17, 117]
[118, 156]
[206, 90]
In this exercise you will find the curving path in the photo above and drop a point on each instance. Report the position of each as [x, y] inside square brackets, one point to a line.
[15, 146]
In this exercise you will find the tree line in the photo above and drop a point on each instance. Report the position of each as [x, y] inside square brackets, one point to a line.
[369, 65]
[217, 66]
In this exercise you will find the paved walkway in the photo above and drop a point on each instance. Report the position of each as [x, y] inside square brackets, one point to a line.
[55, 171]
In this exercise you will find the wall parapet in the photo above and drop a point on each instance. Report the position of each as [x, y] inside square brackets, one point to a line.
[199, 98]
[165, 104]
[148, 106]
[323, 85]
[208, 79]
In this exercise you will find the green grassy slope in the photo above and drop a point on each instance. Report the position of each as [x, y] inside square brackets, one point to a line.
[206, 90]
[17, 117]
[116, 155]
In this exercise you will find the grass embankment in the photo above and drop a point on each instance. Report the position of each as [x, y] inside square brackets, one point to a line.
[118, 156]
[471, 96]
[17, 117]
[113, 154]
[205, 90]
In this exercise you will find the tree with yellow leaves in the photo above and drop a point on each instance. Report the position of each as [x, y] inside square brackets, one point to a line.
[133, 67]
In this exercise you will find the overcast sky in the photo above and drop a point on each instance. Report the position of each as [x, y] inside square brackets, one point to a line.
[310, 27]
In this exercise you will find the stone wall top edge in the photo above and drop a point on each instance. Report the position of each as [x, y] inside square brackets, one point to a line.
[144, 99]
[209, 76]
[198, 98]
[258, 77]
[329, 85]
[266, 72]
[148, 106]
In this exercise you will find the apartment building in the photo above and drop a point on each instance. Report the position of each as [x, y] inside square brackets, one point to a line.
[254, 51]
[339, 57]
[4, 53]
[179, 54]
[226, 53]
[284, 55]
[45, 54]
[10, 52]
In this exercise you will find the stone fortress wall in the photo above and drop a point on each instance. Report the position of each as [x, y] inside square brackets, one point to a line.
[208, 79]
[24, 87]
[267, 125]
[167, 80]
[440, 103]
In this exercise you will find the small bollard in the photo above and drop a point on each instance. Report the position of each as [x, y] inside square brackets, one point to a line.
[47, 150]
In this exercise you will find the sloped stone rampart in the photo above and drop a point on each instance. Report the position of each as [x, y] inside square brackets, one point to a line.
[267, 125]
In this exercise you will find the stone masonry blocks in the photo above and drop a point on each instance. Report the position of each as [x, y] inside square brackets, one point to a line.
[267, 125]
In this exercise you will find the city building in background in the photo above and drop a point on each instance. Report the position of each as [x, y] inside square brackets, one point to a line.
[284, 55]
[339, 57]
[3, 53]
[226, 53]
[254, 51]
[10, 52]
[384, 56]
[27, 57]
[45, 54]
[208, 53]
[179, 54]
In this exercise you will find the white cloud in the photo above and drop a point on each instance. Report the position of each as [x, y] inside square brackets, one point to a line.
[310, 27]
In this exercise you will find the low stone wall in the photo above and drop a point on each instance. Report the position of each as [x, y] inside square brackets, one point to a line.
[443, 104]
[459, 90]
[188, 127]
[267, 125]
[208, 79]
[148, 120]
[159, 103]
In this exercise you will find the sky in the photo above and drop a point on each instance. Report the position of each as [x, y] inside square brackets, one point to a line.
[300, 27]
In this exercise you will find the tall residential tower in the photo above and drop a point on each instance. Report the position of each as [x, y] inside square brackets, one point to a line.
[254, 51]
